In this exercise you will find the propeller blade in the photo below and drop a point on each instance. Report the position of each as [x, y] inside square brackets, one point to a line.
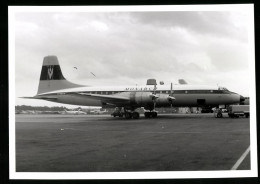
[171, 98]
[154, 96]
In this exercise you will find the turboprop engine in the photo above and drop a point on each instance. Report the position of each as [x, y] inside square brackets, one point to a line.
[164, 100]
[148, 98]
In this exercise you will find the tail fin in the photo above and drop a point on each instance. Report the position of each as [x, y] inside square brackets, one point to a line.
[51, 78]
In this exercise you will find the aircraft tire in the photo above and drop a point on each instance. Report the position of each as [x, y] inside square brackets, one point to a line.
[128, 115]
[219, 115]
[154, 114]
[147, 114]
[135, 115]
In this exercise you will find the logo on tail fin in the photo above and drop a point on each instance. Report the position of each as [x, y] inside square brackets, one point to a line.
[50, 72]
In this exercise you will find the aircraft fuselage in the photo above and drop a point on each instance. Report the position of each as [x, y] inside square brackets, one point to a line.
[185, 95]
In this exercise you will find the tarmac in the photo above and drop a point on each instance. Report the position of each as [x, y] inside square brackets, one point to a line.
[101, 143]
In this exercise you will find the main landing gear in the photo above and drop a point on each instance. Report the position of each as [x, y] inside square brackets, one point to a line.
[131, 114]
[151, 114]
[120, 112]
[134, 115]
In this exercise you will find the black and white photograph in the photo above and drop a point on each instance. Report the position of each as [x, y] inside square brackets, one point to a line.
[132, 92]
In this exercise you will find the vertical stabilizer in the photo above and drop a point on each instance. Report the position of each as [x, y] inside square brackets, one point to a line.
[51, 78]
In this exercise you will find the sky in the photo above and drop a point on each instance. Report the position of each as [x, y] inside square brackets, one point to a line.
[127, 48]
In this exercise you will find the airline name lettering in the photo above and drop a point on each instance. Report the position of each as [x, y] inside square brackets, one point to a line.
[138, 89]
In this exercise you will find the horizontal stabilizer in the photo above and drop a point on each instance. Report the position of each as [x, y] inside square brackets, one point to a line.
[40, 97]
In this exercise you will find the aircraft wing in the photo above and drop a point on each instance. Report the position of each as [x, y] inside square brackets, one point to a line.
[112, 99]
[41, 98]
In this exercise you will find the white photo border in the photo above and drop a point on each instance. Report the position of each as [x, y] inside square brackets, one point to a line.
[247, 8]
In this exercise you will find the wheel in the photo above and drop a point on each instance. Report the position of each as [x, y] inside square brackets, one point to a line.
[219, 115]
[128, 115]
[147, 114]
[154, 114]
[231, 115]
[136, 115]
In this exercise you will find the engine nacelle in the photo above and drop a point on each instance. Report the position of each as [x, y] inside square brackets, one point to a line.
[148, 99]
[142, 98]
[164, 100]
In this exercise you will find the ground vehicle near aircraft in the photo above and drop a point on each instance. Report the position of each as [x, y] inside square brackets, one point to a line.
[117, 112]
[54, 87]
[234, 111]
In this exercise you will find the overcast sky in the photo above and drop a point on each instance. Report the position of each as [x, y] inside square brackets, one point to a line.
[127, 48]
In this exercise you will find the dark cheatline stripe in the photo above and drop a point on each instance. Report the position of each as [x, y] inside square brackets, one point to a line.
[51, 72]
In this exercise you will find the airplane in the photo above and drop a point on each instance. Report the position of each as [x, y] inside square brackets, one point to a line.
[98, 111]
[55, 88]
[78, 112]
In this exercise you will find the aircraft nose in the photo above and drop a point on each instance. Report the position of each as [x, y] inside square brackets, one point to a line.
[242, 99]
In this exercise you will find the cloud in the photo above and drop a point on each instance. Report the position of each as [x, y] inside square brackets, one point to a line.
[130, 47]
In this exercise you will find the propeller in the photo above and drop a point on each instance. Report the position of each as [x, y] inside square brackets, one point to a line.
[171, 98]
[154, 96]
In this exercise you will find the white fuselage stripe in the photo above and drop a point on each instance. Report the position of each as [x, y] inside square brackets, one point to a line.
[134, 88]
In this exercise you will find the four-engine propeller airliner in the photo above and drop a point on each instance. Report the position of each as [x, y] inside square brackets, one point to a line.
[54, 87]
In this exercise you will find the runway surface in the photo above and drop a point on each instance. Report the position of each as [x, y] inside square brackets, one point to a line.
[174, 142]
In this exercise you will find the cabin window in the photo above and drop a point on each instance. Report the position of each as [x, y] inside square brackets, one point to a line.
[186, 92]
[160, 92]
[101, 92]
[113, 92]
[107, 92]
